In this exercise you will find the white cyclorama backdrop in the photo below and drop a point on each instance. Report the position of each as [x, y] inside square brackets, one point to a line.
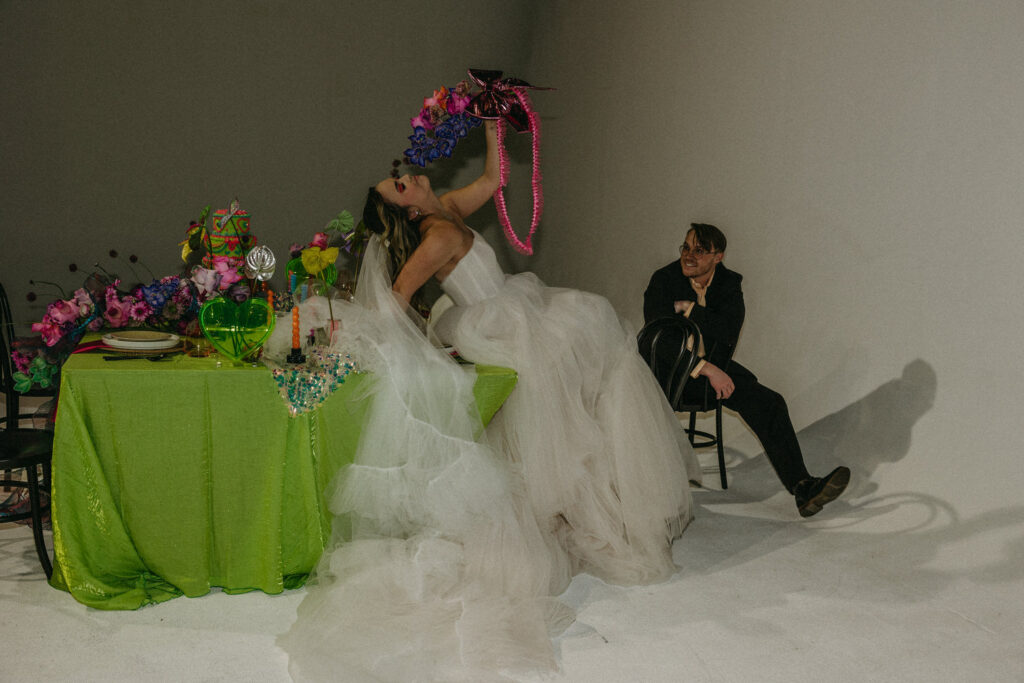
[865, 160]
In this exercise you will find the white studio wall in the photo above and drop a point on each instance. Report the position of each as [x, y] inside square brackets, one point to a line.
[865, 160]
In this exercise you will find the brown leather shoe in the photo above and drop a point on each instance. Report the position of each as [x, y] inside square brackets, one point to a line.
[812, 494]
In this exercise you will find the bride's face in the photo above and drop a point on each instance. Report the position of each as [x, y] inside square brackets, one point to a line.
[409, 190]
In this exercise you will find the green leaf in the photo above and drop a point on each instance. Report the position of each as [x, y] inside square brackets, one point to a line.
[343, 223]
[22, 382]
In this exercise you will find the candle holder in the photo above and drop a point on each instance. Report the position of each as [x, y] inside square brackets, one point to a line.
[296, 355]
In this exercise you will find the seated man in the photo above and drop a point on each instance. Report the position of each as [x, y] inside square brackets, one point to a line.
[700, 288]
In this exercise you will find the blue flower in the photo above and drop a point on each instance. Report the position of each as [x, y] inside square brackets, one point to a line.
[461, 123]
[156, 294]
[422, 146]
[444, 141]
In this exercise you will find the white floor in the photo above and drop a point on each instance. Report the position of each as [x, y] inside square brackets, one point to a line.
[884, 585]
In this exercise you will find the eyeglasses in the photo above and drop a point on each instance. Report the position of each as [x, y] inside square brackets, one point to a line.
[696, 252]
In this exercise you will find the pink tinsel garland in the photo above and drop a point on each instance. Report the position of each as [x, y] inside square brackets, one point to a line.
[538, 193]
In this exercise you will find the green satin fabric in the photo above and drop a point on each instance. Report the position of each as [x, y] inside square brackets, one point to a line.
[170, 478]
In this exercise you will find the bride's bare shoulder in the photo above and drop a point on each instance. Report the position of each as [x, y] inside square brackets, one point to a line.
[447, 229]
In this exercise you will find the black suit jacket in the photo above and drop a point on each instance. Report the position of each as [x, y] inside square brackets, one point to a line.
[719, 320]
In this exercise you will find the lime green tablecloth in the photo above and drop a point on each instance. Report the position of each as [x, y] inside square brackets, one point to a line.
[173, 477]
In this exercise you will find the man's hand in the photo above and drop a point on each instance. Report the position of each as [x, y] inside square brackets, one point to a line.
[683, 305]
[720, 381]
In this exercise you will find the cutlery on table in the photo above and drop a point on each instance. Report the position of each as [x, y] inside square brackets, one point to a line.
[152, 357]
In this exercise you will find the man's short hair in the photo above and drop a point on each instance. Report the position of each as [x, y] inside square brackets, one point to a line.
[708, 236]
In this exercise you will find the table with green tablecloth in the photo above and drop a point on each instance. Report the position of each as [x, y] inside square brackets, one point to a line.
[176, 476]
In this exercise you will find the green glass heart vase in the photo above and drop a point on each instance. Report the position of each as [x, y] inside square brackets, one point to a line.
[236, 330]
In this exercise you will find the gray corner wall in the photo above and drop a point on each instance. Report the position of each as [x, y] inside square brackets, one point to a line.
[864, 158]
[122, 119]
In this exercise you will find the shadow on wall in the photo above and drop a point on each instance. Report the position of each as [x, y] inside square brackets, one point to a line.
[872, 431]
[867, 433]
[910, 534]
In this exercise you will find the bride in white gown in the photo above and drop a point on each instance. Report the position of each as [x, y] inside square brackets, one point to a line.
[449, 547]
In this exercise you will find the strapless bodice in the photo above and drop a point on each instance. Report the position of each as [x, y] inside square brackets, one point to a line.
[477, 275]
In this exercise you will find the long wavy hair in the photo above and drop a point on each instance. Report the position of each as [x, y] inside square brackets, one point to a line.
[399, 235]
[391, 222]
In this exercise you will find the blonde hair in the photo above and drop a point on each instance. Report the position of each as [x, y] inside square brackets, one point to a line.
[392, 224]
[399, 235]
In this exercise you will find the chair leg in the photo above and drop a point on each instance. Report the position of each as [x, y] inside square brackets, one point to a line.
[721, 446]
[691, 432]
[37, 520]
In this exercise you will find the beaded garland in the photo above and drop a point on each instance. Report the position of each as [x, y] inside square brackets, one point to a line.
[304, 387]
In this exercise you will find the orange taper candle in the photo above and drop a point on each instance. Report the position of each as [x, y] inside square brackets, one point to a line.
[270, 303]
[295, 327]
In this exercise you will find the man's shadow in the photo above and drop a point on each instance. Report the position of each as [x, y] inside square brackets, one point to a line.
[873, 431]
[869, 432]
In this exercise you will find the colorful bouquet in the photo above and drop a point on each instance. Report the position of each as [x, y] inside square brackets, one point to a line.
[170, 304]
[441, 123]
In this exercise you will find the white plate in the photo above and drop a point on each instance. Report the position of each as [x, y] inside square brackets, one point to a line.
[140, 336]
[118, 341]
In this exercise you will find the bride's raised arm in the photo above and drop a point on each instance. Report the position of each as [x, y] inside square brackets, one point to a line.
[468, 199]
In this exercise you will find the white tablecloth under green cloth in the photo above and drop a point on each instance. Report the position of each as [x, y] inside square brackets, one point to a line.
[173, 477]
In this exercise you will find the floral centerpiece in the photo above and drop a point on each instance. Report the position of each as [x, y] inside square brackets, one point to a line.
[169, 303]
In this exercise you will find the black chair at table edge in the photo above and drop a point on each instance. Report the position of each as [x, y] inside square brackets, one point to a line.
[13, 397]
[22, 449]
[669, 345]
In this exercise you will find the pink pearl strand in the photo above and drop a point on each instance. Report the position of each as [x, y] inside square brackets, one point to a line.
[538, 193]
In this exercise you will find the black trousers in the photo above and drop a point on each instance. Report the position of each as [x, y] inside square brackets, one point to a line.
[765, 412]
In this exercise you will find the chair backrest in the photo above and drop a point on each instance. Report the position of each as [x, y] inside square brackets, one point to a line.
[670, 345]
[6, 364]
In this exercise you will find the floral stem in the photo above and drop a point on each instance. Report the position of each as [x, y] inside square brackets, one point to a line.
[52, 284]
[330, 308]
[105, 271]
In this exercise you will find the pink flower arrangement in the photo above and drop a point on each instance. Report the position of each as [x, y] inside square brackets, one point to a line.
[320, 240]
[228, 270]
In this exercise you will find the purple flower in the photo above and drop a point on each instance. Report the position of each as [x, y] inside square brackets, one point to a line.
[227, 268]
[238, 292]
[50, 332]
[320, 240]
[457, 102]
[62, 312]
[422, 146]
[138, 311]
[116, 314]
[206, 280]
[422, 120]
[85, 304]
[21, 362]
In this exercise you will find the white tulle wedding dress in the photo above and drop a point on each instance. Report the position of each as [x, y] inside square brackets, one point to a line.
[451, 544]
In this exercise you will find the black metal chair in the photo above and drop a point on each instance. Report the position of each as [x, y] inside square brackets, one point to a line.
[27, 450]
[670, 347]
[12, 398]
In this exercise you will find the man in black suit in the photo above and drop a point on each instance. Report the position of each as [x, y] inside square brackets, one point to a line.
[699, 287]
